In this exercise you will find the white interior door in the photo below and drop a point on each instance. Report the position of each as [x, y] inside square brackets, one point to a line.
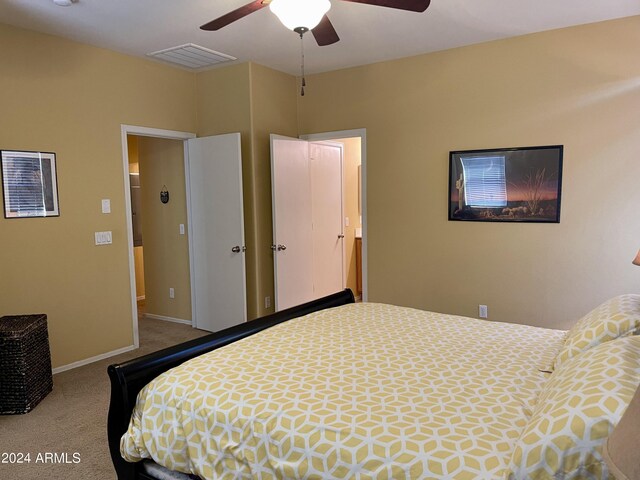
[308, 237]
[292, 234]
[216, 232]
[327, 218]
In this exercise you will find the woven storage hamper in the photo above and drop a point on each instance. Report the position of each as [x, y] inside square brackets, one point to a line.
[25, 362]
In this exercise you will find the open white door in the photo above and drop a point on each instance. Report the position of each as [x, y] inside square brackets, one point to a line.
[292, 238]
[325, 161]
[216, 232]
[307, 220]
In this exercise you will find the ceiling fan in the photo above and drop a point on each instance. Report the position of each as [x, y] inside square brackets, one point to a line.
[304, 15]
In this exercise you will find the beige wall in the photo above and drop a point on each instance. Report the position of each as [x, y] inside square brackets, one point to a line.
[71, 99]
[166, 252]
[579, 87]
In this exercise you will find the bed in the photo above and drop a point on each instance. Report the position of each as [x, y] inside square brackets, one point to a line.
[334, 389]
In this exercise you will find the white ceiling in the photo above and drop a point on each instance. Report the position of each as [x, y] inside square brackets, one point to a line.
[368, 34]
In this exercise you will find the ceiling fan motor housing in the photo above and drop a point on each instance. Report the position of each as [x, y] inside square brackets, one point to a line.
[300, 13]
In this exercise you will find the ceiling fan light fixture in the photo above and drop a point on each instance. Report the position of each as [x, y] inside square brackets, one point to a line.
[300, 13]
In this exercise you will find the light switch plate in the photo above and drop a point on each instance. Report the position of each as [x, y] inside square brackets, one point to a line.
[182, 229]
[106, 205]
[103, 238]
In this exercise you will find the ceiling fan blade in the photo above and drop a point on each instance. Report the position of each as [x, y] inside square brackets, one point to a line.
[236, 14]
[324, 33]
[410, 5]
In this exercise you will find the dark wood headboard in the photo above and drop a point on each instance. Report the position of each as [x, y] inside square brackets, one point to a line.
[127, 379]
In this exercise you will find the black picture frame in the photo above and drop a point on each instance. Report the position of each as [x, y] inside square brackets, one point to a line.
[29, 184]
[521, 184]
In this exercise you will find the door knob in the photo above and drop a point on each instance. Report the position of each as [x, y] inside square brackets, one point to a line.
[282, 247]
[236, 249]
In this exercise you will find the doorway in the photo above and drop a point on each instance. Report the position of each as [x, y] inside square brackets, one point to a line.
[307, 209]
[151, 133]
[317, 216]
[214, 226]
[159, 219]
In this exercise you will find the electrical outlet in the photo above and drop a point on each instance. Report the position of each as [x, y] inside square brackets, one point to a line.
[172, 293]
[483, 311]
[267, 302]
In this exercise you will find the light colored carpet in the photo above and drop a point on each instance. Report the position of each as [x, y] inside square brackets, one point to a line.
[73, 418]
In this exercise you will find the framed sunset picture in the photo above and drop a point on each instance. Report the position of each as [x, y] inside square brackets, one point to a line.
[506, 184]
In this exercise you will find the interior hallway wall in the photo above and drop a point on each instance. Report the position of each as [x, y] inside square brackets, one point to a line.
[166, 251]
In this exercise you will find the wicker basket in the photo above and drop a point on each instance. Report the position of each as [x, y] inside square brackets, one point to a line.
[25, 363]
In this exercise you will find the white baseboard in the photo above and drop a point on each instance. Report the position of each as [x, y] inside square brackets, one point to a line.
[89, 360]
[167, 319]
[141, 297]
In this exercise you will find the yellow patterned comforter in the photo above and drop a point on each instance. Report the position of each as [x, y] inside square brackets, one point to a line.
[361, 391]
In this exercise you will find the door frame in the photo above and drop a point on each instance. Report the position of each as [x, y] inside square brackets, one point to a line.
[125, 131]
[362, 133]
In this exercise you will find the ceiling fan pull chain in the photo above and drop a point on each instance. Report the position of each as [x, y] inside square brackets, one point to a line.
[304, 83]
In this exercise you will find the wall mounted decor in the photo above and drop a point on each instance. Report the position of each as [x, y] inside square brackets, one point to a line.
[29, 184]
[506, 184]
[164, 194]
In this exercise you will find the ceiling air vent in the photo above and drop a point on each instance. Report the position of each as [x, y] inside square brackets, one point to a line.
[191, 56]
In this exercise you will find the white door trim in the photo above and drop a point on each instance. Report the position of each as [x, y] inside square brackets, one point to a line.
[157, 133]
[362, 133]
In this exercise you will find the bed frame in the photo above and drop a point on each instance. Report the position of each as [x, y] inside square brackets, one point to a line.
[128, 378]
